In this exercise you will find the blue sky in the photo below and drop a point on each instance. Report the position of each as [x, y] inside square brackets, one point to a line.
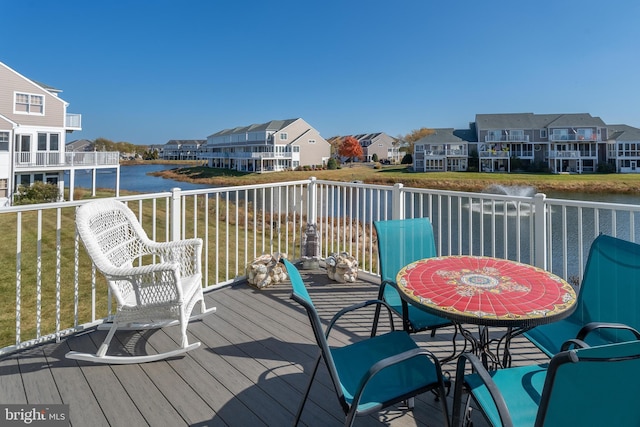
[149, 71]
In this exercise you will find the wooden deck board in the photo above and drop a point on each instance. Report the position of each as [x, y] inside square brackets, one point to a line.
[252, 368]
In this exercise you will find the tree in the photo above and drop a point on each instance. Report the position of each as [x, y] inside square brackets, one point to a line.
[351, 148]
[407, 159]
[414, 136]
[374, 158]
[150, 155]
[332, 164]
[104, 144]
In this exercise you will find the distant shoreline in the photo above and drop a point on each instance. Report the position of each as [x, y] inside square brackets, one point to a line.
[453, 181]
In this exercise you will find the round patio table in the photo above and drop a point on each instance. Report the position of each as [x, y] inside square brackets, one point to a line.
[486, 291]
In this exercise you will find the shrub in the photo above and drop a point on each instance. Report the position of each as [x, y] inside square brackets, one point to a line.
[39, 192]
[606, 168]
[374, 158]
[332, 164]
[407, 159]
[377, 165]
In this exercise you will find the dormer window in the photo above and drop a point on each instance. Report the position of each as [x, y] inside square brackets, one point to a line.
[27, 103]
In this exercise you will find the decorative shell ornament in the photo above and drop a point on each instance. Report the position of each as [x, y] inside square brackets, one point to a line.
[266, 270]
[342, 267]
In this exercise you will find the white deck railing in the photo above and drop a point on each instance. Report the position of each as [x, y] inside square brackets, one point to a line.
[57, 159]
[50, 289]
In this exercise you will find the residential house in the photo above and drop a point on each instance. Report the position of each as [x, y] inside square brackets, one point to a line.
[623, 148]
[80, 145]
[445, 149]
[182, 149]
[272, 146]
[384, 147]
[33, 126]
[564, 142]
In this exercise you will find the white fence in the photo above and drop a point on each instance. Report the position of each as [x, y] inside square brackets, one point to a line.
[50, 289]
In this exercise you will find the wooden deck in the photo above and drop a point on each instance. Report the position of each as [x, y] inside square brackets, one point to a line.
[251, 369]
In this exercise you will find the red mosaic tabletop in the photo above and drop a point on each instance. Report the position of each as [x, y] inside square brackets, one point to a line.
[486, 291]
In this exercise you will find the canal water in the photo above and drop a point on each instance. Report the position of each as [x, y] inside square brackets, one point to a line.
[134, 178]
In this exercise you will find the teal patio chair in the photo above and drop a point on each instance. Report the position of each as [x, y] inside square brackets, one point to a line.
[580, 386]
[373, 373]
[401, 242]
[610, 293]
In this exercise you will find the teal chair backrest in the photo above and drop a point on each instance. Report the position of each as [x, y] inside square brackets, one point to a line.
[594, 386]
[402, 241]
[610, 290]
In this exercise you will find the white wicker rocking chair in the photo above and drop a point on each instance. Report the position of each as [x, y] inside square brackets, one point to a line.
[158, 294]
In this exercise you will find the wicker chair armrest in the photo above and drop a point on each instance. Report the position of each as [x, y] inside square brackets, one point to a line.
[152, 284]
[175, 245]
[187, 253]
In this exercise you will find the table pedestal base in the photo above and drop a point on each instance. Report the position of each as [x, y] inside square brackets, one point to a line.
[481, 347]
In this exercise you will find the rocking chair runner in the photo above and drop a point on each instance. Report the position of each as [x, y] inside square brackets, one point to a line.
[161, 293]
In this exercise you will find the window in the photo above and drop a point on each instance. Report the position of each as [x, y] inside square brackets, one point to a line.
[312, 141]
[29, 104]
[54, 139]
[283, 136]
[48, 141]
[586, 134]
[3, 188]
[543, 133]
[42, 142]
[296, 149]
[561, 134]
[516, 135]
[495, 135]
[4, 141]
[23, 143]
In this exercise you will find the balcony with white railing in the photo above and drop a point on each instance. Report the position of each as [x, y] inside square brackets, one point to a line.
[506, 138]
[571, 154]
[445, 152]
[73, 122]
[61, 293]
[494, 154]
[272, 155]
[56, 159]
[573, 137]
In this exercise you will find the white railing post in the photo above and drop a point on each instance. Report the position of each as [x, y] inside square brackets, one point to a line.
[310, 250]
[397, 202]
[312, 201]
[540, 231]
[175, 214]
